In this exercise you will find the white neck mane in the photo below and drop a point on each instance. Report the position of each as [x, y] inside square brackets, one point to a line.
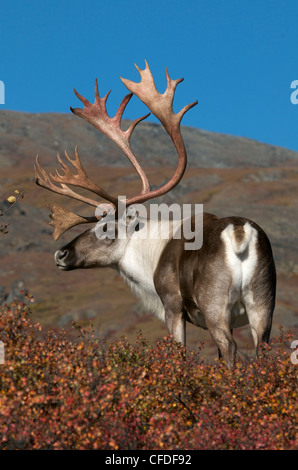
[138, 265]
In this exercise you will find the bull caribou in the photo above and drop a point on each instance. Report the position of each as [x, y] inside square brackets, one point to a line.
[228, 282]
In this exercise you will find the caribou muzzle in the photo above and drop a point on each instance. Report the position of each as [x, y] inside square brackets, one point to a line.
[64, 258]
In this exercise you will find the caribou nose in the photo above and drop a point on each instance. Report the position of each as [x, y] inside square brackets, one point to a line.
[63, 257]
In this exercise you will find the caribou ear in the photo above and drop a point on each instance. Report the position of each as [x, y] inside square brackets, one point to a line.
[133, 222]
[131, 215]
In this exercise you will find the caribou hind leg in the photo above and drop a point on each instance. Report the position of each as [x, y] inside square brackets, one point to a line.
[260, 320]
[219, 351]
[220, 331]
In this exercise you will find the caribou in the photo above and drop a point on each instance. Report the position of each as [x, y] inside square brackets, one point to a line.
[225, 283]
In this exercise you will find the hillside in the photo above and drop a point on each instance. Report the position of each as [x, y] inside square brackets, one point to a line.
[229, 175]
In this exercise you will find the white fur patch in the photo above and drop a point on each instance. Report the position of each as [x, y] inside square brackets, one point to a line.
[241, 259]
[137, 268]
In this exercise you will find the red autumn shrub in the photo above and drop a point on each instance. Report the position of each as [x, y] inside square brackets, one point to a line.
[60, 394]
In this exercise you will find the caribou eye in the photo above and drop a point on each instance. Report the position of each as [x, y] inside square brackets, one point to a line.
[139, 226]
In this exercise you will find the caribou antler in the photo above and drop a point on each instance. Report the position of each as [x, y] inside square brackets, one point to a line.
[62, 220]
[161, 106]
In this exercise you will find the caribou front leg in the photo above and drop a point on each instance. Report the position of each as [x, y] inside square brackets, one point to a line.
[176, 325]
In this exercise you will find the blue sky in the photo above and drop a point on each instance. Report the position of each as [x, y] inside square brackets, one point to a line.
[238, 58]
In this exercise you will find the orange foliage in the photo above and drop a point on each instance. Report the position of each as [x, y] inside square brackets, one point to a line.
[61, 394]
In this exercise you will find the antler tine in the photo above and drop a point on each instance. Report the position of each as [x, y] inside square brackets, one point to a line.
[81, 98]
[96, 114]
[118, 116]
